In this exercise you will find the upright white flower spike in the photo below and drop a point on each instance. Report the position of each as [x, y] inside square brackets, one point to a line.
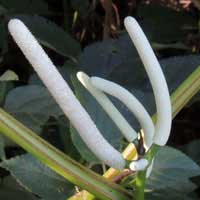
[64, 96]
[131, 102]
[128, 132]
[157, 79]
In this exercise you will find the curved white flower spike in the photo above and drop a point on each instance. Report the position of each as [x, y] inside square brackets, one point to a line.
[157, 79]
[128, 132]
[64, 95]
[131, 102]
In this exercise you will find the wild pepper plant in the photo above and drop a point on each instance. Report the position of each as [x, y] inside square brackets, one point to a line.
[131, 170]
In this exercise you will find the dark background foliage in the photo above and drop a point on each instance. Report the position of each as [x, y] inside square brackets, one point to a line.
[89, 35]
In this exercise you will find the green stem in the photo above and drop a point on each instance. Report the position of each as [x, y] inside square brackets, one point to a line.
[140, 185]
[185, 91]
[59, 162]
[141, 176]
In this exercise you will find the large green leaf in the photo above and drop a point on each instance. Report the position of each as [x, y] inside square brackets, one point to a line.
[10, 189]
[162, 24]
[100, 118]
[5, 87]
[51, 35]
[65, 137]
[116, 60]
[171, 175]
[32, 105]
[192, 149]
[56, 131]
[38, 178]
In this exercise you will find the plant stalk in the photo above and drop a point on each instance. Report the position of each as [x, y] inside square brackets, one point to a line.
[141, 175]
[140, 185]
[59, 162]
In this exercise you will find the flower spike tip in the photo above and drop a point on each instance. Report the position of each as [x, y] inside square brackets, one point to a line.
[157, 79]
[128, 132]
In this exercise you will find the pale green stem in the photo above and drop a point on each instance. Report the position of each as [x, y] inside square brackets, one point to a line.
[141, 175]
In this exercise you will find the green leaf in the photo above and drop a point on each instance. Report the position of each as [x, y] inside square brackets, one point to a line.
[32, 105]
[162, 24]
[10, 189]
[171, 67]
[51, 35]
[25, 6]
[101, 58]
[116, 60]
[82, 148]
[168, 193]
[171, 175]
[5, 87]
[38, 178]
[100, 118]
[65, 136]
[192, 150]
[56, 131]
[9, 76]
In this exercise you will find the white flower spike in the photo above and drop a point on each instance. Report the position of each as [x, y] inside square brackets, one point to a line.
[128, 132]
[64, 96]
[157, 79]
[131, 102]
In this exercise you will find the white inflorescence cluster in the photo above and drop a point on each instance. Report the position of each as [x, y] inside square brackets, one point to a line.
[80, 119]
[160, 134]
